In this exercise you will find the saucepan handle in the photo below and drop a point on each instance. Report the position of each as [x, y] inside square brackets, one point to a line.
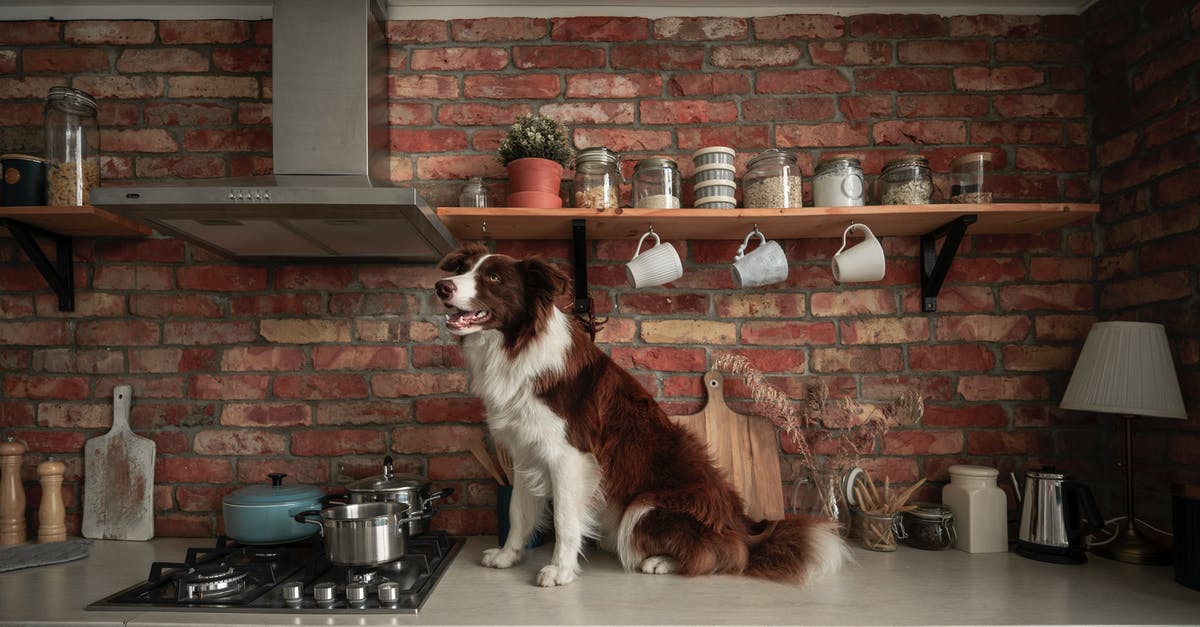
[305, 517]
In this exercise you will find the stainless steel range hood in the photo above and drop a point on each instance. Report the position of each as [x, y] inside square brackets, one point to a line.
[330, 194]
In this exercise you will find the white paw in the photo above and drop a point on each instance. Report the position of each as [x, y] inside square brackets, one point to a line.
[500, 558]
[551, 575]
[659, 565]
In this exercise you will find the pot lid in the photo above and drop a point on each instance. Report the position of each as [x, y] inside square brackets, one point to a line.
[274, 494]
[389, 483]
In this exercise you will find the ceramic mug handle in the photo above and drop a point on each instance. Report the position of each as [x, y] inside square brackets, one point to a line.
[741, 251]
[867, 234]
[640, 241]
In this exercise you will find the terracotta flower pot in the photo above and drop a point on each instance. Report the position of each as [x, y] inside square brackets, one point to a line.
[533, 182]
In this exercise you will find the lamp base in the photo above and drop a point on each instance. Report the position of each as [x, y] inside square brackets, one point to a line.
[1131, 547]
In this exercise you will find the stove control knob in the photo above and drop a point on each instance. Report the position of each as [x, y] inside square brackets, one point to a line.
[389, 592]
[293, 592]
[356, 593]
[324, 592]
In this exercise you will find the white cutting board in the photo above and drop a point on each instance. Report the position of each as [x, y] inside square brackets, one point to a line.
[118, 480]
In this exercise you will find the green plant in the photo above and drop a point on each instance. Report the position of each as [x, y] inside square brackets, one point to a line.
[536, 136]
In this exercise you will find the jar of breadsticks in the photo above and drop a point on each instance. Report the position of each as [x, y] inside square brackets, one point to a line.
[72, 147]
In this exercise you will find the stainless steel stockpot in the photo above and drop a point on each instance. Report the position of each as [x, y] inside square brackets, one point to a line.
[410, 490]
[362, 534]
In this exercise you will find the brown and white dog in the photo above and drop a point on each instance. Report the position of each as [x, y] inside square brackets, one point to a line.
[586, 434]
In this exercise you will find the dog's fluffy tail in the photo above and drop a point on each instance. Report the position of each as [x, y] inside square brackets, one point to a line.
[800, 549]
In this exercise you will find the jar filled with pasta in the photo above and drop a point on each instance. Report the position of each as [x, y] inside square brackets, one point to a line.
[72, 147]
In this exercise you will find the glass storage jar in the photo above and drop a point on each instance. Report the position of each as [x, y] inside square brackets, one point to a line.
[969, 176]
[906, 181]
[772, 181]
[930, 526]
[474, 194]
[597, 178]
[656, 184]
[838, 182]
[72, 147]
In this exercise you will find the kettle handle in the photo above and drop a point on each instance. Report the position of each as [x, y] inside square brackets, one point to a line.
[1088, 517]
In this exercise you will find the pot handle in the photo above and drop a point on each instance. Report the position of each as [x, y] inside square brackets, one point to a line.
[303, 517]
[440, 494]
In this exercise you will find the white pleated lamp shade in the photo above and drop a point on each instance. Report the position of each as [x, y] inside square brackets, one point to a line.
[1126, 368]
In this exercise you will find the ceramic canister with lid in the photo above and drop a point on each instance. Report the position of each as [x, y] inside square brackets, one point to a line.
[980, 509]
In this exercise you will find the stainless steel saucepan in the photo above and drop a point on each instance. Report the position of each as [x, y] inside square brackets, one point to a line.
[362, 534]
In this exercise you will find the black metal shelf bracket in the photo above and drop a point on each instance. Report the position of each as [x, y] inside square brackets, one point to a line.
[935, 264]
[58, 274]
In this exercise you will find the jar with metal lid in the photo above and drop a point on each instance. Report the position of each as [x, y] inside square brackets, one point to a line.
[930, 526]
[838, 182]
[772, 181]
[474, 194]
[72, 147]
[906, 181]
[656, 184]
[969, 178]
[597, 178]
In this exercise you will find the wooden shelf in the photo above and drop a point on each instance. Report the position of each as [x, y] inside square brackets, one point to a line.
[724, 224]
[76, 221]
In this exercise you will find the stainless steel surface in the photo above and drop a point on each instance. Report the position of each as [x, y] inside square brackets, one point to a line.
[324, 592]
[356, 593]
[389, 592]
[364, 534]
[330, 195]
[412, 490]
[1043, 517]
[293, 591]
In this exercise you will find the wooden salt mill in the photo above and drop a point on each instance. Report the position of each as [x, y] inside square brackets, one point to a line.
[12, 493]
[52, 519]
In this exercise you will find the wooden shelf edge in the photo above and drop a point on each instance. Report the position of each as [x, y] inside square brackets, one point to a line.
[799, 223]
[85, 221]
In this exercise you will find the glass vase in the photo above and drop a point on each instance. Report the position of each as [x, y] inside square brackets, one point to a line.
[820, 495]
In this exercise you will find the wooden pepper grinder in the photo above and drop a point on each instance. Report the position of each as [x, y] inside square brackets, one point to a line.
[52, 519]
[12, 493]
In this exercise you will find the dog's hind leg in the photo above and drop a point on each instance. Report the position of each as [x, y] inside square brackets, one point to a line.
[524, 514]
[575, 482]
[676, 542]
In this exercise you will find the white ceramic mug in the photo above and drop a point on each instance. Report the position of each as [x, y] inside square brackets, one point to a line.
[764, 265]
[863, 261]
[658, 265]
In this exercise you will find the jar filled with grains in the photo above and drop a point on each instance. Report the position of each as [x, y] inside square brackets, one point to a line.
[597, 178]
[772, 181]
[72, 147]
[838, 182]
[906, 181]
[656, 184]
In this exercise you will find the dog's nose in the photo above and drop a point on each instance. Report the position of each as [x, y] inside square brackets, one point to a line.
[444, 288]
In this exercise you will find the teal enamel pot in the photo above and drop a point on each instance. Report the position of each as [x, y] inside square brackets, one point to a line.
[265, 513]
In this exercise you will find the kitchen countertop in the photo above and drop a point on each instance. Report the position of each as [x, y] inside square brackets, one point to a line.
[907, 587]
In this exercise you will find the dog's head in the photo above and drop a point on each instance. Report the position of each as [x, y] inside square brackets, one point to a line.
[490, 291]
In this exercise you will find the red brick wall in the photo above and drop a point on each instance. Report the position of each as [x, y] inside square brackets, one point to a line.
[1142, 58]
[321, 370]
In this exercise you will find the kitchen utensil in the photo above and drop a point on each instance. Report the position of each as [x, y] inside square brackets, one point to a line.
[264, 514]
[52, 525]
[980, 509]
[118, 487]
[411, 490]
[362, 534]
[1056, 516]
[658, 265]
[764, 265]
[12, 493]
[505, 462]
[485, 460]
[863, 261]
[745, 448]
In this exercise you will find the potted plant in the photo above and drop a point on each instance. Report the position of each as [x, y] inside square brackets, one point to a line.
[534, 150]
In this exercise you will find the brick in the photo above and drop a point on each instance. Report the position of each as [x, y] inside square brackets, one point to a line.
[708, 84]
[328, 443]
[428, 410]
[686, 112]
[139, 60]
[986, 270]
[116, 333]
[983, 328]
[940, 106]
[416, 31]
[1062, 296]
[265, 415]
[657, 56]
[499, 29]
[860, 107]
[417, 384]
[200, 498]
[29, 33]
[997, 79]
[923, 443]
[320, 386]
[169, 525]
[213, 87]
[788, 333]
[523, 86]
[799, 27]
[656, 304]
[833, 134]
[687, 332]
[854, 360]
[1062, 269]
[754, 56]
[612, 29]
[423, 86]
[458, 59]
[557, 57]
[70, 416]
[410, 114]
[1016, 132]
[1052, 159]
[64, 60]
[255, 60]
[795, 108]
[206, 333]
[239, 442]
[903, 132]
[622, 141]
[180, 167]
[660, 358]
[613, 85]
[700, 28]
[1161, 287]
[1014, 26]
[817, 81]
[897, 25]
[839, 54]
[192, 470]
[763, 305]
[427, 439]
[1040, 106]
[964, 416]
[258, 358]
[576, 113]
[885, 330]
[299, 331]
[359, 358]
[993, 388]
[229, 387]
[310, 471]
[943, 52]
[1039, 358]
[204, 31]
[170, 360]
[115, 32]
[962, 357]
[1007, 442]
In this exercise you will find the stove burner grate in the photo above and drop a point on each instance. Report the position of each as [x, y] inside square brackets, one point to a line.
[209, 581]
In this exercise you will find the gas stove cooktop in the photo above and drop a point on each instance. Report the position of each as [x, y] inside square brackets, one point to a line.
[292, 578]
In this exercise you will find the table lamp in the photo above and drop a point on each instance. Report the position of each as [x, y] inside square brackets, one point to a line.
[1126, 368]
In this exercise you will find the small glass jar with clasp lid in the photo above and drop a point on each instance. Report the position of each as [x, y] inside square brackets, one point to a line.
[597, 178]
[929, 526]
[72, 147]
[772, 181]
[906, 181]
[656, 184]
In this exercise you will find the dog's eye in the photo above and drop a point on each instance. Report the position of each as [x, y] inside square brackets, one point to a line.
[494, 278]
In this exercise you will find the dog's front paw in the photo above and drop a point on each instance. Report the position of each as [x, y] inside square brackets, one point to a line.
[659, 565]
[500, 558]
[551, 575]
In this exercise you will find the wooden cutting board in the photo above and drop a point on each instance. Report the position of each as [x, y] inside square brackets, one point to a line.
[118, 480]
[745, 449]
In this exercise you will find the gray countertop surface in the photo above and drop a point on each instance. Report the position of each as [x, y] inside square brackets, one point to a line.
[906, 587]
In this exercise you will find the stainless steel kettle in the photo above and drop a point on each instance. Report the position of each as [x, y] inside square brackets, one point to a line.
[1057, 514]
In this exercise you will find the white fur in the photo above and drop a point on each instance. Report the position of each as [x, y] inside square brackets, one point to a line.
[829, 552]
[546, 464]
[630, 557]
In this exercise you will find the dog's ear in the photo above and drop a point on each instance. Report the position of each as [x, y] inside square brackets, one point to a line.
[543, 281]
[454, 261]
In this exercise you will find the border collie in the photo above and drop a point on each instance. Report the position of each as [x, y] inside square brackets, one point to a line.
[586, 434]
